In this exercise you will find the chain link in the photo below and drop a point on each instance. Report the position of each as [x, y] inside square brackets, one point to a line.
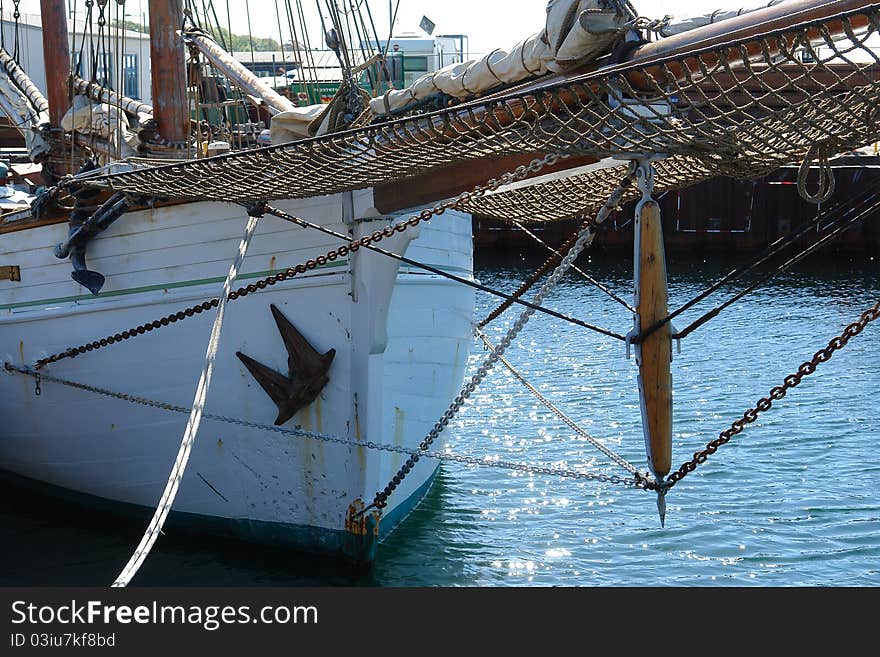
[585, 237]
[776, 394]
[519, 173]
[549, 264]
[445, 457]
[571, 424]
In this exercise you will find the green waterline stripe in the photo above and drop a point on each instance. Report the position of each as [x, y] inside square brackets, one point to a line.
[172, 286]
[154, 288]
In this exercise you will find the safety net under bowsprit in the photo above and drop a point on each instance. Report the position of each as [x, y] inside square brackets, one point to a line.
[789, 93]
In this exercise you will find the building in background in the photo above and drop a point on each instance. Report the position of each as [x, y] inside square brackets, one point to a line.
[126, 70]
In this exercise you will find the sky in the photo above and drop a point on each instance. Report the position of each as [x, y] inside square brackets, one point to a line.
[490, 24]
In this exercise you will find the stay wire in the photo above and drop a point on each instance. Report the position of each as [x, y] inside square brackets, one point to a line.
[784, 267]
[842, 208]
[434, 270]
[575, 268]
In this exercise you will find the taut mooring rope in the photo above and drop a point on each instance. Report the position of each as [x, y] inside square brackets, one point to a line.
[192, 426]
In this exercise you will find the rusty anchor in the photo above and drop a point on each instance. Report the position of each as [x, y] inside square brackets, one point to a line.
[307, 371]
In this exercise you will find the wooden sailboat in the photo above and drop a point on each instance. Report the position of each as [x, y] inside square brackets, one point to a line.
[360, 352]
[400, 337]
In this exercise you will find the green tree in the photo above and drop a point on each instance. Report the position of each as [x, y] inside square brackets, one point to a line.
[238, 42]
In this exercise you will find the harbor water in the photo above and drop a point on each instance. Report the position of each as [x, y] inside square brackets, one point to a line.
[792, 501]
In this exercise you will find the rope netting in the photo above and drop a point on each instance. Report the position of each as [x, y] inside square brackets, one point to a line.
[739, 109]
[562, 195]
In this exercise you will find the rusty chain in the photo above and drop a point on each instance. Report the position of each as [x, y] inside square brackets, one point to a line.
[766, 403]
[550, 263]
[517, 174]
[637, 481]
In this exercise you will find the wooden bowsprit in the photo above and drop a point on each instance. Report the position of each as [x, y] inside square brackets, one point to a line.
[654, 352]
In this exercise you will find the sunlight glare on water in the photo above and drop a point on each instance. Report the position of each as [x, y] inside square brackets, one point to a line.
[791, 501]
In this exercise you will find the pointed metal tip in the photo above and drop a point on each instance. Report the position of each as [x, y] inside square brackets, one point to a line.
[661, 506]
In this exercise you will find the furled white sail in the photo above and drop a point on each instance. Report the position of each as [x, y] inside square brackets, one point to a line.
[677, 26]
[577, 32]
[101, 119]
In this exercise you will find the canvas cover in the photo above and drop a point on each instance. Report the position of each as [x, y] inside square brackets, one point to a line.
[101, 119]
[576, 33]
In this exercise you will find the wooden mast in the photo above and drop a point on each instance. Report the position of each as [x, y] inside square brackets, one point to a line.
[56, 55]
[168, 70]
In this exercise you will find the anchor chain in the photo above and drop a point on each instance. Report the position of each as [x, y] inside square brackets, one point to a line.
[520, 173]
[549, 264]
[445, 457]
[584, 238]
[595, 442]
[776, 394]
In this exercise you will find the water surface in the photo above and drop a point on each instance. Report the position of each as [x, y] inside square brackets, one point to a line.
[793, 501]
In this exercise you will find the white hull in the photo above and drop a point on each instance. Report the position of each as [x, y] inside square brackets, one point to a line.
[401, 338]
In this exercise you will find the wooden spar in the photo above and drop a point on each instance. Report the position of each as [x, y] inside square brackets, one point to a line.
[641, 63]
[32, 94]
[102, 94]
[238, 74]
[95, 144]
[748, 26]
[168, 71]
[654, 353]
[392, 197]
[452, 180]
[56, 55]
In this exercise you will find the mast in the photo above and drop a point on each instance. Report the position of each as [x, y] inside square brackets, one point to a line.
[168, 70]
[56, 55]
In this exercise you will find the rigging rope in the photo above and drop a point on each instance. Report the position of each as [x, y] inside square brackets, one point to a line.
[842, 226]
[550, 262]
[595, 442]
[712, 109]
[839, 220]
[585, 237]
[826, 183]
[299, 432]
[192, 426]
[509, 298]
[520, 173]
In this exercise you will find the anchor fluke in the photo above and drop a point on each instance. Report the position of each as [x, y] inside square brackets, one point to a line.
[91, 280]
[307, 372]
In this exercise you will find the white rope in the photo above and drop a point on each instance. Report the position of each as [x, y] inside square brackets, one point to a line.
[192, 426]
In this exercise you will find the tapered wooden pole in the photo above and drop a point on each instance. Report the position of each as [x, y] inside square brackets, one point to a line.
[168, 70]
[239, 74]
[56, 55]
[653, 353]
